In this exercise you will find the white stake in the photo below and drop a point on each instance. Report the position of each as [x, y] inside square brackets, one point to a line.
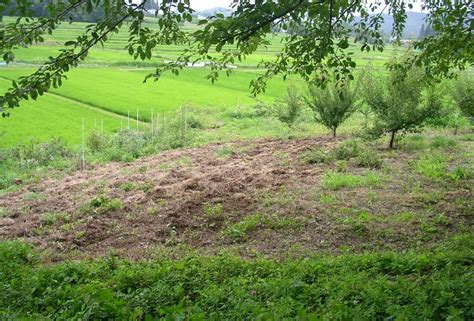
[83, 144]
[128, 120]
[152, 123]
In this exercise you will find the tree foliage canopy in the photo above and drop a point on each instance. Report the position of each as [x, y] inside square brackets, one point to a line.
[325, 29]
[401, 104]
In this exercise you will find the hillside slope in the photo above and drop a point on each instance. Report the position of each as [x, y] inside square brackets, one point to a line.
[267, 196]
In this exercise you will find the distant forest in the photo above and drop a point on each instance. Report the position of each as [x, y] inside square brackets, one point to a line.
[415, 26]
[40, 9]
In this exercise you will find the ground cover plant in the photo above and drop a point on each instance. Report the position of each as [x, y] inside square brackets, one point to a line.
[434, 284]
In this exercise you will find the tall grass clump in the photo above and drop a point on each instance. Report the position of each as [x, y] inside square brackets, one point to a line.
[26, 161]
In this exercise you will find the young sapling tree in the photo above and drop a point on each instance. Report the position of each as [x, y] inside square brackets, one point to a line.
[400, 103]
[288, 109]
[334, 103]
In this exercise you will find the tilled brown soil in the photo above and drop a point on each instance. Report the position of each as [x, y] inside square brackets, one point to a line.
[164, 198]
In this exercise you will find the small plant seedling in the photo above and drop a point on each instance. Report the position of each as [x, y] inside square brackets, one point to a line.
[335, 180]
[239, 231]
[101, 205]
[31, 196]
[80, 234]
[146, 186]
[127, 187]
[341, 166]
[326, 199]
[52, 218]
[404, 217]
[155, 209]
[214, 212]
[441, 220]
[4, 212]
[347, 150]
[460, 173]
[225, 152]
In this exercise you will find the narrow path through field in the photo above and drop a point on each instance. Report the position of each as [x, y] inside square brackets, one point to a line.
[85, 105]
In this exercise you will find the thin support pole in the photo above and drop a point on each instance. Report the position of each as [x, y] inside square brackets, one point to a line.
[83, 145]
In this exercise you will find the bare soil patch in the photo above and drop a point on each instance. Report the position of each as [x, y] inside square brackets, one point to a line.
[202, 198]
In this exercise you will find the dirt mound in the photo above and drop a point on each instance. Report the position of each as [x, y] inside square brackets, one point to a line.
[246, 195]
[158, 196]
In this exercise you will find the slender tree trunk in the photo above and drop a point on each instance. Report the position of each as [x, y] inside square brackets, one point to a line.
[456, 130]
[392, 139]
[334, 132]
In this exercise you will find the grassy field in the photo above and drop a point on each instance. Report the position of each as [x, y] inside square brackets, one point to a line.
[111, 80]
[52, 116]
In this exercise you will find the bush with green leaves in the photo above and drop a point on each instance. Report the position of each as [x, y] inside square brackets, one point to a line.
[401, 102]
[96, 140]
[287, 110]
[369, 158]
[347, 150]
[334, 103]
[41, 154]
[316, 156]
[451, 115]
[129, 144]
[463, 94]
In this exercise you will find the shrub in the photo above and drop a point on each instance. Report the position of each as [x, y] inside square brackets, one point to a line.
[96, 141]
[341, 166]
[463, 94]
[332, 104]
[450, 116]
[368, 158]
[177, 132]
[347, 150]
[316, 156]
[41, 154]
[288, 109]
